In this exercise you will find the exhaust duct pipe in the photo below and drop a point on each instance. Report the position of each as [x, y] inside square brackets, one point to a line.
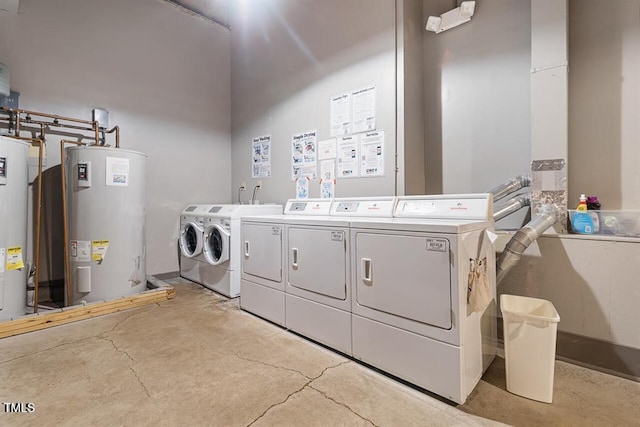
[511, 186]
[511, 206]
[523, 239]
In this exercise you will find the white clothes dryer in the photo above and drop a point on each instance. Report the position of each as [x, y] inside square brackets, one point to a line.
[318, 292]
[216, 258]
[411, 316]
[264, 269]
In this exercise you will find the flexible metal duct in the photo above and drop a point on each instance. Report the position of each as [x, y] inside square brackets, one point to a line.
[511, 206]
[511, 186]
[523, 238]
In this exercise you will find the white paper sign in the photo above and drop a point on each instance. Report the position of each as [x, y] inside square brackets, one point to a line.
[2, 259]
[261, 157]
[364, 109]
[303, 155]
[372, 154]
[327, 178]
[348, 158]
[302, 187]
[117, 171]
[80, 250]
[327, 149]
[341, 114]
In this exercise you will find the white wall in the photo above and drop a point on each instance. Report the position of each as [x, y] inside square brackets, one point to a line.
[288, 59]
[477, 99]
[163, 75]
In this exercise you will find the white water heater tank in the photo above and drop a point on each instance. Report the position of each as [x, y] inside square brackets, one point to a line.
[14, 185]
[5, 87]
[106, 220]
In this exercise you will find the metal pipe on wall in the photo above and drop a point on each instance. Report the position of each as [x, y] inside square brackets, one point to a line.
[511, 186]
[523, 238]
[511, 206]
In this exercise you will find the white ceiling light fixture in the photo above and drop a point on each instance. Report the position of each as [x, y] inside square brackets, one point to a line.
[451, 19]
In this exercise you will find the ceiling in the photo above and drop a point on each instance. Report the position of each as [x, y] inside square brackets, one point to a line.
[215, 10]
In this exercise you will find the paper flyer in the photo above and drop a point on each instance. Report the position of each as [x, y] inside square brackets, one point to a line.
[372, 154]
[348, 164]
[302, 187]
[363, 109]
[327, 178]
[117, 170]
[303, 155]
[340, 114]
[261, 157]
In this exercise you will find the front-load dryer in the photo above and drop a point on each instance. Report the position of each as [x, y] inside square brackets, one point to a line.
[218, 264]
[191, 241]
[318, 291]
[411, 315]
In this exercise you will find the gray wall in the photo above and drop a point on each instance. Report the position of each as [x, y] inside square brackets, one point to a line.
[604, 102]
[163, 75]
[288, 59]
[477, 99]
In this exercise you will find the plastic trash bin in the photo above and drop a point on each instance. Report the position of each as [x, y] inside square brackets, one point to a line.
[530, 327]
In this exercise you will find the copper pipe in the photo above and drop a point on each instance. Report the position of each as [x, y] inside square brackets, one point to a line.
[117, 131]
[96, 127]
[67, 281]
[59, 125]
[51, 116]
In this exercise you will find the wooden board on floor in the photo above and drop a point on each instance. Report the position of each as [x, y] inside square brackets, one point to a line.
[35, 322]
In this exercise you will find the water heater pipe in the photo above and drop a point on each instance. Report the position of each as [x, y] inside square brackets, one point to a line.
[511, 186]
[523, 238]
[512, 205]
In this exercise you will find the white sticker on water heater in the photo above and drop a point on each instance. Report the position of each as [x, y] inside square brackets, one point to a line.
[2, 255]
[117, 170]
[80, 250]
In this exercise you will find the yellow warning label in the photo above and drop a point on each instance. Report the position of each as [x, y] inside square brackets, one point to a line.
[99, 249]
[14, 258]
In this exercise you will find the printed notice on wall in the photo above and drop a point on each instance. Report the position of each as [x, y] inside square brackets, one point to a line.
[327, 178]
[303, 155]
[80, 250]
[99, 250]
[340, 114]
[14, 258]
[363, 109]
[372, 154]
[348, 166]
[117, 171]
[261, 165]
[327, 149]
[2, 259]
[302, 187]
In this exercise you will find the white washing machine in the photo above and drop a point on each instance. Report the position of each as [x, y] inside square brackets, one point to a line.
[409, 285]
[318, 291]
[263, 262]
[210, 244]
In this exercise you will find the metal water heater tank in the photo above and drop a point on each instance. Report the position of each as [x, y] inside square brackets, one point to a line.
[106, 223]
[14, 185]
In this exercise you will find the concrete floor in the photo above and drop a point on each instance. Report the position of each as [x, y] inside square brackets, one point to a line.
[199, 360]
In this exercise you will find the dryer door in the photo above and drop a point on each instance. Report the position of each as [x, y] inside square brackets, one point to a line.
[216, 244]
[191, 239]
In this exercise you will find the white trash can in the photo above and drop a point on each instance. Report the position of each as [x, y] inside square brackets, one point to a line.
[530, 327]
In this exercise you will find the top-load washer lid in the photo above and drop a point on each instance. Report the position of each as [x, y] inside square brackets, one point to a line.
[216, 244]
[191, 239]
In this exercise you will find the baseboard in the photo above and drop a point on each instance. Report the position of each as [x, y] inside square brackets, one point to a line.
[595, 354]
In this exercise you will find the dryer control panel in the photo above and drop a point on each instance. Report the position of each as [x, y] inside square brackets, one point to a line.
[454, 206]
[308, 207]
[364, 207]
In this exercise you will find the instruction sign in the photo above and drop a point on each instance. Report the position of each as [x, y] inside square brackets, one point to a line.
[14, 258]
[117, 169]
[261, 157]
[99, 249]
[80, 250]
[2, 259]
